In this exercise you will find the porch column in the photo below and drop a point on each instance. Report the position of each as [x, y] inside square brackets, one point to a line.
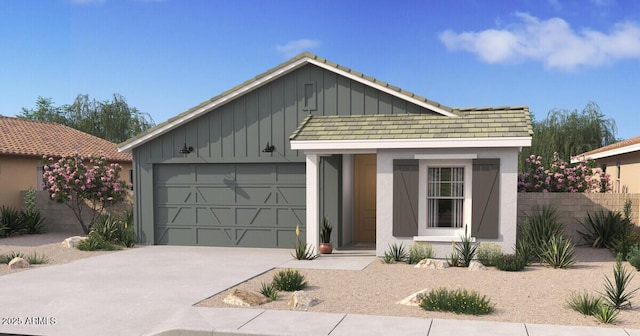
[313, 226]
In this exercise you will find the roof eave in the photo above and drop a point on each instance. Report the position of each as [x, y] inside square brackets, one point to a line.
[605, 154]
[502, 142]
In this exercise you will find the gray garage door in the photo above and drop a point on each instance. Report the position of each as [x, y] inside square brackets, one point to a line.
[248, 205]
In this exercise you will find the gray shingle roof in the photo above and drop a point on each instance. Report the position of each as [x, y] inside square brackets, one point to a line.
[472, 123]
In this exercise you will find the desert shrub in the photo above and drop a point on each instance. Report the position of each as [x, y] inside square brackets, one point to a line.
[616, 292]
[606, 314]
[488, 252]
[395, 253]
[95, 242]
[269, 290]
[608, 230]
[11, 221]
[510, 263]
[633, 257]
[6, 258]
[289, 280]
[459, 301]
[32, 220]
[114, 229]
[525, 251]
[37, 259]
[420, 251]
[539, 227]
[302, 251]
[584, 303]
[558, 252]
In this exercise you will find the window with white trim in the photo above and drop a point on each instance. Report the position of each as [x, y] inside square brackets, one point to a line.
[445, 197]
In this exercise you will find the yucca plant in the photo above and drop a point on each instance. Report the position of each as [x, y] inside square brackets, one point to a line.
[601, 229]
[396, 252]
[616, 292]
[557, 252]
[606, 314]
[466, 250]
[301, 251]
[584, 303]
[539, 227]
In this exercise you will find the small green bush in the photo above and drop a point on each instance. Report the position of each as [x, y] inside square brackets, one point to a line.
[269, 290]
[115, 229]
[6, 258]
[488, 252]
[420, 251]
[525, 251]
[457, 301]
[510, 263]
[557, 252]
[608, 230]
[37, 259]
[95, 242]
[289, 280]
[10, 220]
[33, 222]
[395, 253]
[606, 314]
[584, 303]
[634, 257]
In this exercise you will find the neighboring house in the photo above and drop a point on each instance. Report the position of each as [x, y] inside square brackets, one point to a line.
[621, 161]
[24, 143]
[311, 139]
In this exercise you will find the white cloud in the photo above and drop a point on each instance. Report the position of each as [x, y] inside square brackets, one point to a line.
[293, 48]
[552, 42]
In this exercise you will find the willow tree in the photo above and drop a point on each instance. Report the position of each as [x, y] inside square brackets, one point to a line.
[570, 133]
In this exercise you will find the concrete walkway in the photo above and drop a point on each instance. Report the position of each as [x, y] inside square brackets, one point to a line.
[151, 291]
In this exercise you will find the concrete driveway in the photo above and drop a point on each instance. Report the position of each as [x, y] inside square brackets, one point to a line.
[130, 292]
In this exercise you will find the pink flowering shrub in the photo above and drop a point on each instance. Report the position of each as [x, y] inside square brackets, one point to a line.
[562, 177]
[78, 180]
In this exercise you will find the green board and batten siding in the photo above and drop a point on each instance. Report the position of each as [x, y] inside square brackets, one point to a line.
[232, 137]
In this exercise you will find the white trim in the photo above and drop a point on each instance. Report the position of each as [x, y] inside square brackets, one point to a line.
[312, 207]
[220, 101]
[382, 88]
[341, 151]
[468, 156]
[440, 239]
[611, 152]
[334, 145]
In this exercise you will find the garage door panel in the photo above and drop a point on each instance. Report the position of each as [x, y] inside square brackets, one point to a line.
[252, 205]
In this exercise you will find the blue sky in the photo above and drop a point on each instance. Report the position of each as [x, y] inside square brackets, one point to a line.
[166, 56]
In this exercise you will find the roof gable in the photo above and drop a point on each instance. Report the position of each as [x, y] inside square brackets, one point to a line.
[271, 75]
[24, 137]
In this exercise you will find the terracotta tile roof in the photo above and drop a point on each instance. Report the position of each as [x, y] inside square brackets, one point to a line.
[37, 138]
[617, 145]
[473, 123]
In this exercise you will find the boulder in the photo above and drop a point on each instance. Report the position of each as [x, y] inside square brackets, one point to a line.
[72, 242]
[432, 264]
[18, 262]
[412, 300]
[301, 299]
[243, 298]
[476, 266]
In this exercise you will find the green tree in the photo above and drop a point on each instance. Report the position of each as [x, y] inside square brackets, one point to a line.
[112, 120]
[569, 133]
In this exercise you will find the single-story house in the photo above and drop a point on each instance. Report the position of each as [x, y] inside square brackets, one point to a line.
[621, 161]
[311, 139]
[24, 143]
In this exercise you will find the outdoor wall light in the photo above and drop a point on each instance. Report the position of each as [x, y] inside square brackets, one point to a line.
[269, 148]
[186, 150]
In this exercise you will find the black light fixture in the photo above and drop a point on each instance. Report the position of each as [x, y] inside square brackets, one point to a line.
[269, 148]
[186, 150]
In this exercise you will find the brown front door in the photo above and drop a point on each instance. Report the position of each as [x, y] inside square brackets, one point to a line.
[365, 198]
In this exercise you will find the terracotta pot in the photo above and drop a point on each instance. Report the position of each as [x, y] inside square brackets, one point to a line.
[326, 248]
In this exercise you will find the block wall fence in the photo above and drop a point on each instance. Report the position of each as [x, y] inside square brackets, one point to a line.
[573, 206]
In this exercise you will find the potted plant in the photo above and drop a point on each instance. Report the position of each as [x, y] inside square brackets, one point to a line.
[325, 237]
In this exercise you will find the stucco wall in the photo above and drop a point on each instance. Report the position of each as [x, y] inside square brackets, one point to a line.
[18, 174]
[572, 207]
[508, 196]
[629, 180]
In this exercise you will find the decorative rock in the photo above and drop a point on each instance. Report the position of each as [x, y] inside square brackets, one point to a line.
[18, 262]
[244, 298]
[412, 300]
[476, 266]
[300, 299]
[432, 264]
[72, 242]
